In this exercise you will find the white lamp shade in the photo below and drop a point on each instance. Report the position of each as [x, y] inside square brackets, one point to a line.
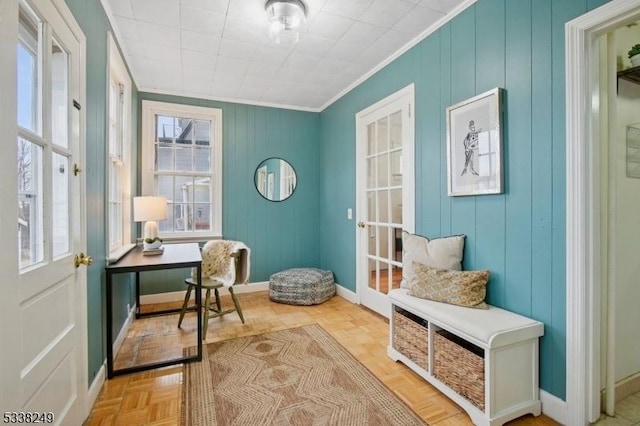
[149, 208]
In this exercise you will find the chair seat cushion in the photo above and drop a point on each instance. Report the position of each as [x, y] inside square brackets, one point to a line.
[302, 286]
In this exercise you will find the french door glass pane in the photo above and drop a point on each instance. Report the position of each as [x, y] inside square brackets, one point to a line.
[29, 63]
[371, 139]
[396, 205]
[60, 204]
[395, 131]
[374, 274]
[384, 240]
[59, 95]
[371, 207]
[383, 170]
[383, 134]
[30, 203]
[396, 168]
[383, 206]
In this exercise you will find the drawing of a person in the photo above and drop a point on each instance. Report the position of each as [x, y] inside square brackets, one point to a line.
[470, 143]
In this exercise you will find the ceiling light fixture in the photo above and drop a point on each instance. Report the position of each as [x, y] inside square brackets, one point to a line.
[287, 20]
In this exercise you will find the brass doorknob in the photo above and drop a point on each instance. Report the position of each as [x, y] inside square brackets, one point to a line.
[82, 259]
[361, 225]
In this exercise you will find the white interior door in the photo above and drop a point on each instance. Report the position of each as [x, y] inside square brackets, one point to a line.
[385, 195]
[49, 367]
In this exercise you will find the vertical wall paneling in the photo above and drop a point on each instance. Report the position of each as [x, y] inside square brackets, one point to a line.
[445, 101]
[490, 209]
[541, 175]
[463, 86]
[517, 157]
[429, 143]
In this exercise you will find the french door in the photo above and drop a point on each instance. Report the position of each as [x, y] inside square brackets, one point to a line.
[385, 195]
[48, 365]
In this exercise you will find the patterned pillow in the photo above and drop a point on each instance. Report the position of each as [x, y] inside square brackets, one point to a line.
[443, 253]
[463, 288]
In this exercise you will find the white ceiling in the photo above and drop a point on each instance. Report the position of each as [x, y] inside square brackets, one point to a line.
[220, 49]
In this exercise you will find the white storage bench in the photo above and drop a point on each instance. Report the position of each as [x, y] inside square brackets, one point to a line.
[484, 360]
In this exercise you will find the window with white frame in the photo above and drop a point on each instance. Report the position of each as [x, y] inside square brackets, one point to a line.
[182, 161]
[118, 164]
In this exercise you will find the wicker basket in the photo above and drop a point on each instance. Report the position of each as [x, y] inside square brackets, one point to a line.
[411, 337]
[460, 365]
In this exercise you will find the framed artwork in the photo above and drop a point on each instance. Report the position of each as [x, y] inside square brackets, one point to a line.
[474, 145]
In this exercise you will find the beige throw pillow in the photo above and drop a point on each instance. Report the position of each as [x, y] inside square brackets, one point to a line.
[442, 253]
[463, 288]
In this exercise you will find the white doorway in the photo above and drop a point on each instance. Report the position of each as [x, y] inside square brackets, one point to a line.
[385, 191]
[43, 295]
[587, 234]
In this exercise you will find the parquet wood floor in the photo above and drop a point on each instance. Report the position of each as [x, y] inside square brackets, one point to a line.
[154, 398]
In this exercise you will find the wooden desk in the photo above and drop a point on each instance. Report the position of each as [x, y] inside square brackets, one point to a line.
[175, 256]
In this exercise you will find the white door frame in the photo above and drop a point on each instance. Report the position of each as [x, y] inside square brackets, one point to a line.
[583, 239]
[408, 190]
[10, 359]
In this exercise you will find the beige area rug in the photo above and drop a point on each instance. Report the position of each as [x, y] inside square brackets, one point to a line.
[300, 376]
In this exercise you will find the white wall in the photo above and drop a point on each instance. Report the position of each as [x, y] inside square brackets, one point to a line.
[625, 219]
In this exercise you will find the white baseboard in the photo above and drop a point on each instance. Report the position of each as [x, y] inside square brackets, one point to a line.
[95, 388]
[346, 294]
[124, 330]
[553, 407]
[178, 296]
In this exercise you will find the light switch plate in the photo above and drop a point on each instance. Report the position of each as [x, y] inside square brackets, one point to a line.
[349, 214]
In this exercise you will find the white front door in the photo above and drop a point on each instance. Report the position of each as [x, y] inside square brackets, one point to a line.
[385, 195]
[49, 344]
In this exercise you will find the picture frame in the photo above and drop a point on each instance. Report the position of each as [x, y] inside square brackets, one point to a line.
[474, 145]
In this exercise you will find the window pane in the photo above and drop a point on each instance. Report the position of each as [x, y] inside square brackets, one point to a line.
[383, 170]
[203, 132]
[30, 209]
[59, 95]
[183, 189]
[371, 139]
[28, 64]
[60, 198]
[184, 159]
[202, 217]
[202, 190]
[184, 131]
[202, 159]
[164, 158]
[165, 129]
[164, 185]
[183, 217]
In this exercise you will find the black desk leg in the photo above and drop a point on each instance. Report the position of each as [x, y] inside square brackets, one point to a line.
[199, 310]
[109, 327]
[138, 311]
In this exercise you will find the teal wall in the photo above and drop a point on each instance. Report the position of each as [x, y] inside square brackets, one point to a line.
[518, 235]
[281, 235]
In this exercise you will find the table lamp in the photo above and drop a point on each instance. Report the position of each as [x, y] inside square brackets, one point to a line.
[149, 209]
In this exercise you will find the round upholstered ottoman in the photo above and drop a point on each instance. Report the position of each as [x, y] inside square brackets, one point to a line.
[302, 286]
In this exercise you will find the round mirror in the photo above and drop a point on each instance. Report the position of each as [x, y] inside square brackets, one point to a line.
[275, 179]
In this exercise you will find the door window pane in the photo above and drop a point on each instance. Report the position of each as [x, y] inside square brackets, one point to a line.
[59, 96]
[383, 170]
[28, 89]
[371, 139]
[383, 134]
[30, 203]
[61, 207]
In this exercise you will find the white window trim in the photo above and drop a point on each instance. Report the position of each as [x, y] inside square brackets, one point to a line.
[117, 70]
[149, 110]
